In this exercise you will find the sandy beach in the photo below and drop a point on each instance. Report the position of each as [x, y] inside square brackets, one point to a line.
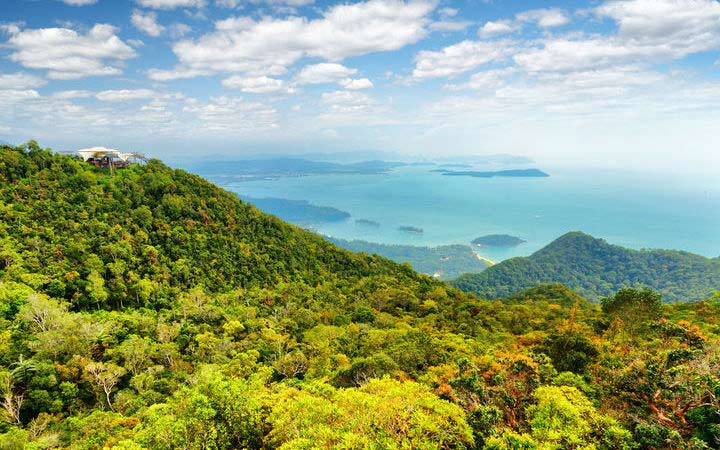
[484, 259]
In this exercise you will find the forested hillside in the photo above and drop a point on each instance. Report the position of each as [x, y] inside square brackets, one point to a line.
[596, 269]
[152, 310]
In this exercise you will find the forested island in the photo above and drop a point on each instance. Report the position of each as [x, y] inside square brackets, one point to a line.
[410, 229]
[498, 240]
[154, 310]
[519, 173]
[444, 261]
[367, 223]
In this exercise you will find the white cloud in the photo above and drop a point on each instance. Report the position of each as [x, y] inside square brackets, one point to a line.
[179, 30]
[323, 73]
[622, 76]
[79, 2]
[356, 84]
[347, 102]
[268, 46]
[447, 21]
[545, 18]
[331, 73]
[232, 114]
[66, 95]
[178, 74]
[287, 2]
[70, 55]
[9, 97]
[500, 27]
[449, 25]
[458, 58]
[256, 85]
[20, 80]
[329, 133]
[228, 3]
[665, 20]
[648, 31]
[171, 4]
[155, 105]
[124, 95]
[486, 80]
[146, 22]
[235, 3]
[448, 12]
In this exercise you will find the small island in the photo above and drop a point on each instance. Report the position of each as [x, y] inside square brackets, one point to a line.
[498, 240]
[409, 229]
[367, 223]
[513, 173]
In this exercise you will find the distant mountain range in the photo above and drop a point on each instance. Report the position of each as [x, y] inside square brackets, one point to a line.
[252, 167]
[289, 167]
[596, 269]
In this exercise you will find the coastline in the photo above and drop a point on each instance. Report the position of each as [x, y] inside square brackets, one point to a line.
[487, 261]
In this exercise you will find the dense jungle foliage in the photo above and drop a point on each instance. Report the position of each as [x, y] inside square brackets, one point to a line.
[596, 269]
[154, 310]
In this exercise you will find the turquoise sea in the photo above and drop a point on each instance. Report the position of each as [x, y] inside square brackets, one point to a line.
[635, 210]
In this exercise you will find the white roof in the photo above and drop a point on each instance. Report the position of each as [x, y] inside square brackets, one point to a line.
[99, 152]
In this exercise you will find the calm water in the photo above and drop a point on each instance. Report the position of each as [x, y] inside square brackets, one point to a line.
[633, 210]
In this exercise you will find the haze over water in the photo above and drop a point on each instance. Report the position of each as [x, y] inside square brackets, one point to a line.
[635, 210]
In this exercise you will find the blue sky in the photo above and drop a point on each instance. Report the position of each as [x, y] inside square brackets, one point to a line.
[600, 83]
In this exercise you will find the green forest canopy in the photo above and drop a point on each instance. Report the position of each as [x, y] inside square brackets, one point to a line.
[596, 269]
[154, 310]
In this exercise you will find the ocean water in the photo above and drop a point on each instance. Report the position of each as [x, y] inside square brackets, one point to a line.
[635, 210]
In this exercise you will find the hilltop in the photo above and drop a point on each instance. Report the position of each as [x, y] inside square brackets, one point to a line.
[152, 232]
[596, 269]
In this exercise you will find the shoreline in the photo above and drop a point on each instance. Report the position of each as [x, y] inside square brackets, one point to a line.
[487, 261]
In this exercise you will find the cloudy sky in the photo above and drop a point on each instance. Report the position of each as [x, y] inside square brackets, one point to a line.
[611, 83]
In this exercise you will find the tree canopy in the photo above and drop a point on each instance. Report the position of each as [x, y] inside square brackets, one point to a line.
[154, 310]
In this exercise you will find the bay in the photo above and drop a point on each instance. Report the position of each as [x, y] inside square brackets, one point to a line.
[632, 209]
